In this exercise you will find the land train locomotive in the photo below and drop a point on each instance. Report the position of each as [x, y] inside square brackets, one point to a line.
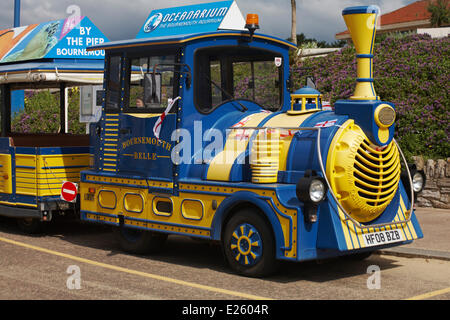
[201, 135]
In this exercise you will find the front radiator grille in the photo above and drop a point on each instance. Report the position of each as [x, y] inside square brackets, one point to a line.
[364, 177]
[376, 173]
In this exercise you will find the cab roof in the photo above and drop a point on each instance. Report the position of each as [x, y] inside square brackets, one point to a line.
[185, 38]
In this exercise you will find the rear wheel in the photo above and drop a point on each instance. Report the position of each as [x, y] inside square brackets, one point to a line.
[248, 245]
[139, 241]
[30, 225]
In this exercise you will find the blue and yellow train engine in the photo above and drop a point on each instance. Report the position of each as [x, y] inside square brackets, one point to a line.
[201, 136]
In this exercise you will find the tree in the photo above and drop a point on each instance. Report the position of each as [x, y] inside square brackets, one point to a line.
[440, 13]
[294, 22]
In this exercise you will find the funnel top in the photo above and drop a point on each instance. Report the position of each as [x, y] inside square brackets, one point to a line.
[307, 91]
[361, 9]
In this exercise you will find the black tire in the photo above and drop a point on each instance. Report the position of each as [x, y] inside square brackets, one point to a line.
[253, 254]
[139, 241]
[30, 225]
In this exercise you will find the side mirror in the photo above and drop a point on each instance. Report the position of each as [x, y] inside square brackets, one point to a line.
[188, 79]
[152, 88]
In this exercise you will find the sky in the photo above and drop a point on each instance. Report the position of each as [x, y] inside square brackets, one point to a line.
[119, 19]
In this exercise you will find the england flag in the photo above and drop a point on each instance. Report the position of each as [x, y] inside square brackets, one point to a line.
[158, 123]
[326, 124]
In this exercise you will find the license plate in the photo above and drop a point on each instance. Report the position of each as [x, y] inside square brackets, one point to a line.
[382, 237]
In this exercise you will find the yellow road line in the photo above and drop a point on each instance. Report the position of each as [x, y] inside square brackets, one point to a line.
[135, 272]
[430, 294]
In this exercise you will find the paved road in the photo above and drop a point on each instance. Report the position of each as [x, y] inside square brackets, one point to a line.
[47, 267]
[435, 224]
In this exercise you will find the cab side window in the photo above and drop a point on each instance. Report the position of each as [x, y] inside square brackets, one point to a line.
[152, 83]
[113, 86]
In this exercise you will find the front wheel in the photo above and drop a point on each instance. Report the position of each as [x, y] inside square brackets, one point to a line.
[248, 245]
[139, 241]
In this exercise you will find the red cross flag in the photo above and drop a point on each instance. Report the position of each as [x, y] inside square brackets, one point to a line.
[286, 133]
[241, 134]
[325, 124]
[158, 123]
[241, 123]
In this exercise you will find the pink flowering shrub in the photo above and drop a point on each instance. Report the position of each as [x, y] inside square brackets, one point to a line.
[413, 72]
[41, 113]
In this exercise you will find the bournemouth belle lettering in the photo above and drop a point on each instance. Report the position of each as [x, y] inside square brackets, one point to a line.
[147, 140]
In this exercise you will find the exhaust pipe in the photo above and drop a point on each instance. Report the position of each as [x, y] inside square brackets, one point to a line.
[361, 23]
[375, 117]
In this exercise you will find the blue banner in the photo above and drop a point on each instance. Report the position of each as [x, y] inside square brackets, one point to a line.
[206, 17]
[67, 38]
[74, 42]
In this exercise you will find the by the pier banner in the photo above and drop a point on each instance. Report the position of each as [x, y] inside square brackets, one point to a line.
[200, 18]
[66, 38]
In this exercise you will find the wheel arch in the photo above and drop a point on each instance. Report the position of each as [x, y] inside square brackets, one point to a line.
[247, 199]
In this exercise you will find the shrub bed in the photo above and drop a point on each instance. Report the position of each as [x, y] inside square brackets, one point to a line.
[412, 71]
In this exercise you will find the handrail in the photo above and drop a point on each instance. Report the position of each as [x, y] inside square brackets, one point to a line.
[322, 168]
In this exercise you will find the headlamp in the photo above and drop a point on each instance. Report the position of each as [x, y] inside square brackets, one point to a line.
[317, 190]
[384, 116]
[418, 178]
[418, 181]
[311, 190]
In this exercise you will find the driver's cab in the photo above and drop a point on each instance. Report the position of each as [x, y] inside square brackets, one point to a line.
[163, 94]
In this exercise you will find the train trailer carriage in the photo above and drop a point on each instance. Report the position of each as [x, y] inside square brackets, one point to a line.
[201, 136]
[35, 166]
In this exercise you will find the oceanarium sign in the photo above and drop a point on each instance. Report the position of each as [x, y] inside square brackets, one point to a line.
[206, 17]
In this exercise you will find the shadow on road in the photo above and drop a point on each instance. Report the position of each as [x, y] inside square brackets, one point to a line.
[185, 251]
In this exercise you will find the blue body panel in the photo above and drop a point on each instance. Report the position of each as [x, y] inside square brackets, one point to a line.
[134, 147]
[363, 114]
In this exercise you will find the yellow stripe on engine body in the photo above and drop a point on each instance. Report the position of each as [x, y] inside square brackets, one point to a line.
[238, 140]
[220, 167]
[284, 120]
